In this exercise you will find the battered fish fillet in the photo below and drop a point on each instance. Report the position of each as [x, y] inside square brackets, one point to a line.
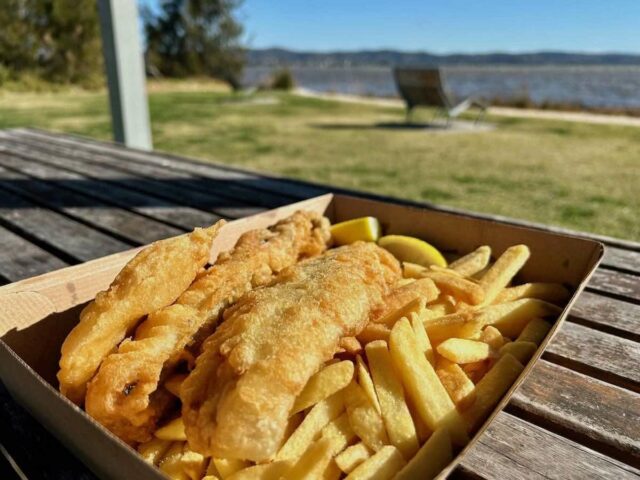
[237, 400]
[124, 396]
[153, 279]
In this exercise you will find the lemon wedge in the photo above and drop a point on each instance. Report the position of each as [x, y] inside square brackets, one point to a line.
[411, 249]
[366, 229]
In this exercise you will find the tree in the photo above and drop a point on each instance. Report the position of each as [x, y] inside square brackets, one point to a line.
[195, 37]
[58, 40]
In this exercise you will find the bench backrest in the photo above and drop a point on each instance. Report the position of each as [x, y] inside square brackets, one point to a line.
[421, 86]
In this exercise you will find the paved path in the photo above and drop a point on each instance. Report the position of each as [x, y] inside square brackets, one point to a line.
[583, 117]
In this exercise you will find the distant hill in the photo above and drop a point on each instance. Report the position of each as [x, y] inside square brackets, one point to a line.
[274, 57]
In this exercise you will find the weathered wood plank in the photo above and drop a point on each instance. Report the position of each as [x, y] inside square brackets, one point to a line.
[153, 207]
[608, 357]
[573, 404]
[129, 226]
[21, 259]
[607, 314]
[268, 182]
[513, 448]
[229, 187]
[72, 241]
[167, 188]
[622, 259]
[623, 285]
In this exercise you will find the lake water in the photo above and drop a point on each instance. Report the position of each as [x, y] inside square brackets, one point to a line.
[601, 86]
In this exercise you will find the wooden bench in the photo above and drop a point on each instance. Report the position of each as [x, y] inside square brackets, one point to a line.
[65, 200]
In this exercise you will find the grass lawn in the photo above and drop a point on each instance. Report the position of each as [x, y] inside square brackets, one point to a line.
[581, 176]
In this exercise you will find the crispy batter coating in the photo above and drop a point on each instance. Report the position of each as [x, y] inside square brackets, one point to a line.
[122, 396]
[400, 296]
[237, 400]
[153, 279]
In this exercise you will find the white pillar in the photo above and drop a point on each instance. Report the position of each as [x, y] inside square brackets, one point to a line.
[125, 72]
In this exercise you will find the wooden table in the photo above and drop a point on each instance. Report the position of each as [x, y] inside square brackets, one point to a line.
[65, 200]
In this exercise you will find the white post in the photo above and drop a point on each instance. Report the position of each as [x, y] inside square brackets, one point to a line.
[125, 72]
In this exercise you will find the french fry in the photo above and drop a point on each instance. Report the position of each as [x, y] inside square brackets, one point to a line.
[422, 338]
[413, 270]
[462, 289]
[404, 281]
[492, 337]
[503, 271]
[511, 318]
[462, 350]
[365, 420]
[339, 434]
[266, 471]
[522, 351]
[351, 345]
[174, 430]
[423, 385]
[366, 382]
[399, 297]
[441, 307]
[331, 472]
[432, 457]
[226, 467]
[321, 414]
[458, 385]
[313, 461]
[292, 424]
[549, 292]
[352, 456]
[372, 332]
[383, 465]
[181, 463]
[491, 388]
[476, 370]
[535, 331]
[323, 384]
[395, 412]
[153, 450]
[473, 262]
[458, 325]
[174, 382]
[416, 305]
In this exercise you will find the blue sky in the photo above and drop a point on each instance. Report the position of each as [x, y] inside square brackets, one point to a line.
[443, 26]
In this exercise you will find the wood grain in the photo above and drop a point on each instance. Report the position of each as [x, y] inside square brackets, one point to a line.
[621, 285]
[607, 314]
[607, 357]
[514, 449]
[572, 403]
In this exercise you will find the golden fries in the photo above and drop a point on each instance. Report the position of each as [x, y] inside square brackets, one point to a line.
[491, 388]
[313, 462]
[267, 471]
[181, 463]
[352, 456]
[458, 385]
[174, 430]
[373, 332]
[473, 262]
[383, 465]
[414, 306]
[511, 318]
[364, 418]
[226, 467]
[339, 433]
[324, 384]
[153, 450]
[321, 414]
[461, 350]
[422, 338]
[366, 382]
[395, 411]
[459, 287]
[535, 331]
[522, 351]
[423, 385]
[432, 457]
[549, 292]
[503, 271]
[174, 382]
[492, 337]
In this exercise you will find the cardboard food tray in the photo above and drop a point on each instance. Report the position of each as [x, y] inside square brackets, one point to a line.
[36, 314]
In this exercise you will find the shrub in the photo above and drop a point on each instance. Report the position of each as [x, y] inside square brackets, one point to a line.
[282, 80]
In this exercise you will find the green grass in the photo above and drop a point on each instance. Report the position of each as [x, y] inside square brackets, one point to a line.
[580, 176]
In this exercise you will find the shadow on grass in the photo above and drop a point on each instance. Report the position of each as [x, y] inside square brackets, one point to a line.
[454, 126]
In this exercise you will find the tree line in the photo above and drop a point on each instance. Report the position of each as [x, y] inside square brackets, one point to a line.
[58, 41]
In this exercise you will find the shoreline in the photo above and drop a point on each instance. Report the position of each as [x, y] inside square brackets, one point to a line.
[580, 117]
